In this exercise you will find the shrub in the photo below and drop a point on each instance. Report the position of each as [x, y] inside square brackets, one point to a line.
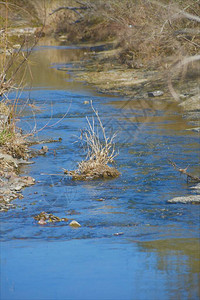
[100, 153]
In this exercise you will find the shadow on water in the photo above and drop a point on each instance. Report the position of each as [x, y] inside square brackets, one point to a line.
[155, 255]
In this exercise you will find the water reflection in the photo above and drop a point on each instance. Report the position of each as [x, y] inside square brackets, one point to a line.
[134, 203]
[179, 259]
[50, 67]
[154, 112]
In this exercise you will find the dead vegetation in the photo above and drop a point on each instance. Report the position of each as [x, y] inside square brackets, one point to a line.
[14, 53]
[150, 33]
[100, 153]
[161, 37]
[189, 176]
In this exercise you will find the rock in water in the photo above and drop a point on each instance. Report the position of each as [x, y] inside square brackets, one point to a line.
[42, 222]
[43, 150]
[194, 199]
[74, 224]
[155, 93]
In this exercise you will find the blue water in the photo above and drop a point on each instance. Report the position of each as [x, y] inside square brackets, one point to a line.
[157, 255]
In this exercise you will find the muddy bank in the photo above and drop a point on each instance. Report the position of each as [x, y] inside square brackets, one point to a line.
[103, 70]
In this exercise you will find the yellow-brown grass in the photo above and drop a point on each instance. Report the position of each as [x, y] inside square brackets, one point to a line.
[100, 152]
[151, 33]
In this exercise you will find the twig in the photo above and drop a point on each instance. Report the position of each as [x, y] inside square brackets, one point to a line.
[184, 171]
[59, 174]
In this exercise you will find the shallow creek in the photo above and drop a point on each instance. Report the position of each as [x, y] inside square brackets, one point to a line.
[132, 244]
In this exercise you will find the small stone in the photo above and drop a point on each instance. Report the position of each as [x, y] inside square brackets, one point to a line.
[27, 180]
[42, 222]
[18, 187]
[43, 150]
[64, 219]
[73, 212]
[118, 233]
[16, 46]
[155, 93]
[74, 224]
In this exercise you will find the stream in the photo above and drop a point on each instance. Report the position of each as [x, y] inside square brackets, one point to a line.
[132, 244]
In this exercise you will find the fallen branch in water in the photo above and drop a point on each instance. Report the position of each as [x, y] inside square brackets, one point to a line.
[184, 171]
[31, 143]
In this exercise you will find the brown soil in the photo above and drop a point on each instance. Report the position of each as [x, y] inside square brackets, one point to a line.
[91, 173]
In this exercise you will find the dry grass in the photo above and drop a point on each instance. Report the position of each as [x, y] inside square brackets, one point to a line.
[150, 33]
[11, 140]
[100, 153]
[14, 53]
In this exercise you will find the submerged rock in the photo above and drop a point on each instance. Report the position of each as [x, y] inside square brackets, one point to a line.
[118, 233]
[43, 218]
[194, 199]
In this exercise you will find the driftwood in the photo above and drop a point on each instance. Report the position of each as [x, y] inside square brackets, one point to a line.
[184, 171]
[31, 143]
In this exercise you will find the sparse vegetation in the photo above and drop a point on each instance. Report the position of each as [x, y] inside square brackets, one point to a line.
[14, 53]
[100, 153]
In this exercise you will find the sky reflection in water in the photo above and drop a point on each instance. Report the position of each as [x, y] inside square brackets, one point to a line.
[157, 255]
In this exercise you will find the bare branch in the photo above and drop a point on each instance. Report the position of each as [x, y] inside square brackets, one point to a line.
[184, 171]
[75, 9]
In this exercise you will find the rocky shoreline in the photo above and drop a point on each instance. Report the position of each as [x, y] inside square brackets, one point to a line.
[13, 154]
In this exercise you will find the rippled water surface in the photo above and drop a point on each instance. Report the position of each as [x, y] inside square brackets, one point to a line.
[157, 255]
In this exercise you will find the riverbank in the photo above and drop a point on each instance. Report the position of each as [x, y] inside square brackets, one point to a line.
[154, 48]
[102, 70]
[14, 153]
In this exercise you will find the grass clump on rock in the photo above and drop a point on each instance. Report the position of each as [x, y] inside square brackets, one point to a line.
[100, 153]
